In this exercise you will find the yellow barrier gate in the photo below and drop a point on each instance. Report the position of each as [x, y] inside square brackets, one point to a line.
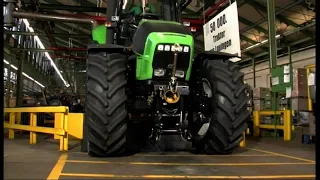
[61, 116]
[286, 127]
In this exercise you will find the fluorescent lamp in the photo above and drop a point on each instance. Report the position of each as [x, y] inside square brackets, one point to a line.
[24, 74]
[264, 41]
[26, 22]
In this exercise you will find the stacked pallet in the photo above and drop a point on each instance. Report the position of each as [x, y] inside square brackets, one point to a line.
[261, 99]
[299, 94]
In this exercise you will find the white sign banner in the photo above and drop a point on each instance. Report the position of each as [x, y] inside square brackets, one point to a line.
[221, 33]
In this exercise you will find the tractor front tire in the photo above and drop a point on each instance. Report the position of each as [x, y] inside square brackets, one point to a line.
[106, 113]
[229, 112]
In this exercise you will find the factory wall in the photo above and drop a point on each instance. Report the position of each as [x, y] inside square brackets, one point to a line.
[299, 60]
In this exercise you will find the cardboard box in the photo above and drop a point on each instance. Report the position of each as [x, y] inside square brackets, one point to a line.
[257, 105]
[299, 104]
[260, 104]
[267, 104]
[312, 124]
[299, 90]
[284, 101]
[312, 90]
[265, 120]
[300, 83]
[261, 93]
[300, 75]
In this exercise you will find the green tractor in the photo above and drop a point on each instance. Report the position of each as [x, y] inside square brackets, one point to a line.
[141, 68]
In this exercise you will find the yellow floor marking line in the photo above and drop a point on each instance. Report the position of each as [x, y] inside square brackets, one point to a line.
[184, 177]
[191, 155]
[202, 155]
[283, 155]
[186, 164]
[57, 169]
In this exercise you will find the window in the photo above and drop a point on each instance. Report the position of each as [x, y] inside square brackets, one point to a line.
[5, 72]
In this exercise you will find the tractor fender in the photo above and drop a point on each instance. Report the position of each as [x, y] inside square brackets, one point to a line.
[211, 55]
[109, 48]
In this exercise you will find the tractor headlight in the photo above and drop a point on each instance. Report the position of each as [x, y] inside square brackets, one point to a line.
[167, 47]
[179, 74]
[160, 47]
[159, 72]
[186, 49]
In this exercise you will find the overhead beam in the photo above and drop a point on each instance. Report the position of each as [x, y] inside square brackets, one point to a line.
[277, 12]
[245, 38]
[54, 7]
[79, 36]
[279, 17]
[249, 23]
[50, 49]
[291, 44]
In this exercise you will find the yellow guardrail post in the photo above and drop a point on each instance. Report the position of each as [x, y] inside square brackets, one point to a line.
[18, 118]
[256, 123]
[33, 122]
[65, 127]
[58, 123]
[12, 120]
[59, 117]
[287, 125]
[243, 142]
[308, 88]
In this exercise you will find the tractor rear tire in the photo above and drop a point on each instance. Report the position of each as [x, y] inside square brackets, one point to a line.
[229, 112]
[106, 113]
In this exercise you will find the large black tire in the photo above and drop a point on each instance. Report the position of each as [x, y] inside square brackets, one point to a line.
[229, 112]
[106, 113]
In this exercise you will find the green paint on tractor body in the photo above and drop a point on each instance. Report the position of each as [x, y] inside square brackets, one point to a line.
[99, 34]
[144, 69]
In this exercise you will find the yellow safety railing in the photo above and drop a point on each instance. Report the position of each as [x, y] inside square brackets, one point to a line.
[65, 124]
[61, 116]
[286, 127]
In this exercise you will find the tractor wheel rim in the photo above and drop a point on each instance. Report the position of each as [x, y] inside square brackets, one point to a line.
[206, 87]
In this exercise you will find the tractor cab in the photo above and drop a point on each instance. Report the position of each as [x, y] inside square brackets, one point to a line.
[151, 9]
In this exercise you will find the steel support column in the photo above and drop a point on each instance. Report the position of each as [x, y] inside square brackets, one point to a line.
[289, 55]
[272, 50]
[19, 85]
[254, 72]
[8, 83]
[272, 34]
[290, 62]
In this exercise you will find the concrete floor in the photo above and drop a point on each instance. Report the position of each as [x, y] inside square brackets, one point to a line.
[262, 159]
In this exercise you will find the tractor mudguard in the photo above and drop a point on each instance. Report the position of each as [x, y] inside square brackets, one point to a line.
[109, 48]
[214, 55]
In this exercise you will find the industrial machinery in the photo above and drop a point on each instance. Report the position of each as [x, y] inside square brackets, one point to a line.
[66, 99]
[142, 68]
